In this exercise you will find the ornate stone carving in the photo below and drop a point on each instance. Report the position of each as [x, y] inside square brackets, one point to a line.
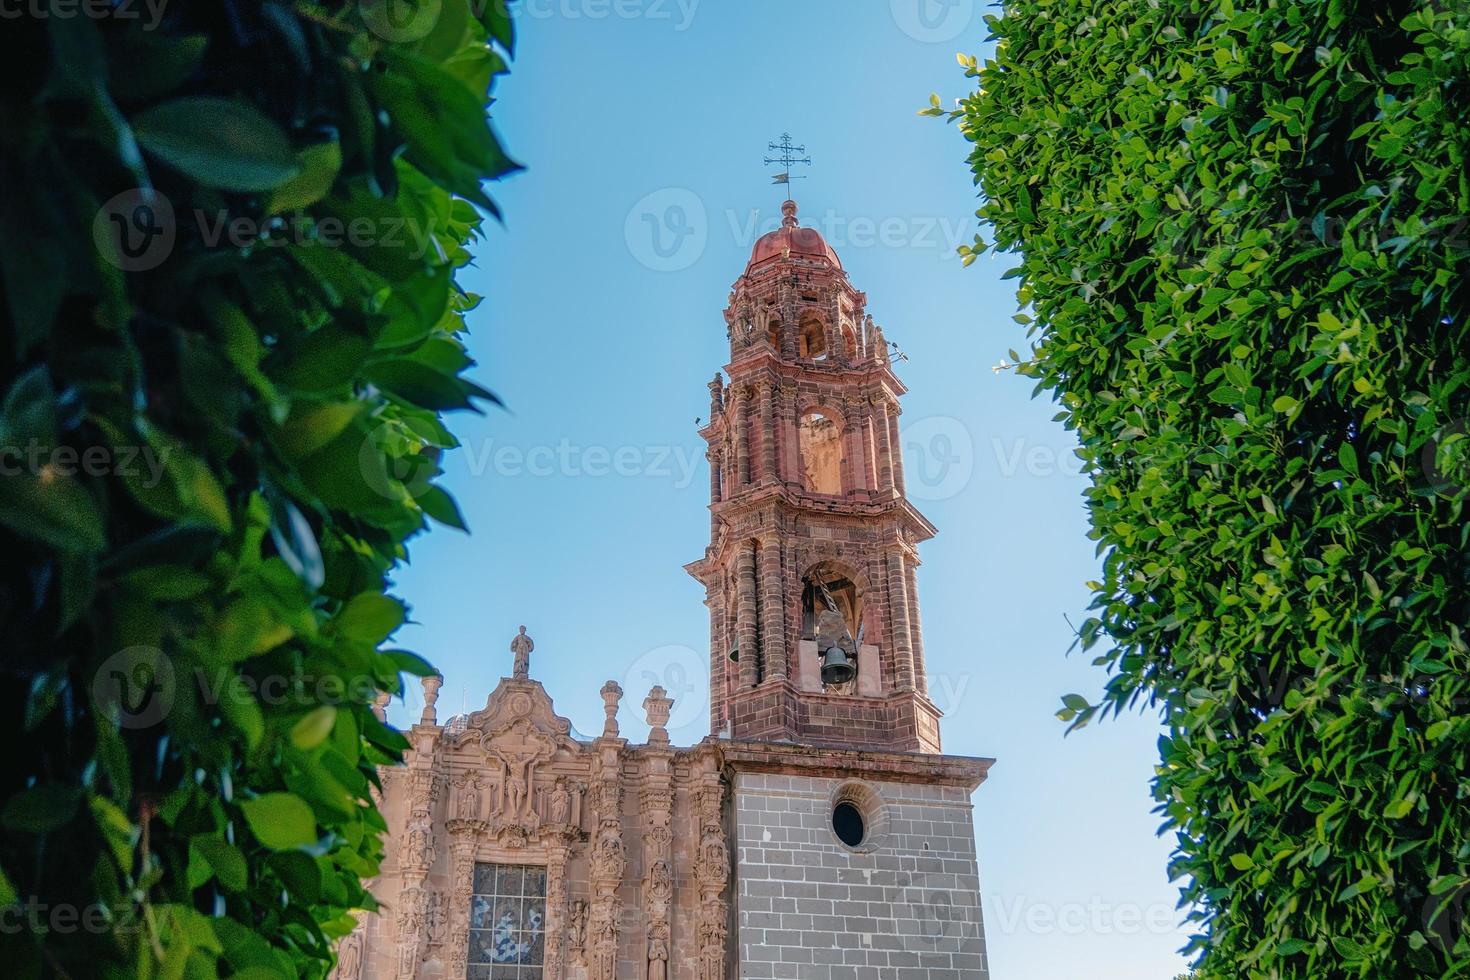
[657, 707]
[577, 933]
[712, 934]
[412, 919]
[463, 836]
[435, 919]
[610, 859]
[468, 807]
[559, 806]
[420, 853]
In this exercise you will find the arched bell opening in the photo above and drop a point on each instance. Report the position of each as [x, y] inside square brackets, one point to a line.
[773, 332]
[831, 617]
[811, 338]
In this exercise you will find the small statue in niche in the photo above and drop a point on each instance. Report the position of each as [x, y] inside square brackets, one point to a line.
[469, 798]
[559, 811]
[420, 843]
[577, 931]
[437, 919]
[658, 952]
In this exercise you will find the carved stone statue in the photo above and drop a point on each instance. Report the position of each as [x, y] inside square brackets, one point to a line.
[349, 957]
[469, 798]
[559, 810]
[437, 918]
[577, 932]
[522, 646]
[660, 883]
[517, 783]
[420, 844]
[658, 952]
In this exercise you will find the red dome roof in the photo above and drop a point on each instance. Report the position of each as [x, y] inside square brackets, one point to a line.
[792, 239]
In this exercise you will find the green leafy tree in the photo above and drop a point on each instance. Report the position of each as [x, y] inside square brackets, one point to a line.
[1243, 238]
[229, 237]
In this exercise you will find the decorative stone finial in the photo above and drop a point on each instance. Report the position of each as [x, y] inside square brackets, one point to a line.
[657, 707]
[788, 214]
[432, 683]
[522, 646]
[380, 705]
[611, 695]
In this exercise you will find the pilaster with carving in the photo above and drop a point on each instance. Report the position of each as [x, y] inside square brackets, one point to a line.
[711, 871]
[418, 852]
[657, 805]
[464, 835]
[609, 860]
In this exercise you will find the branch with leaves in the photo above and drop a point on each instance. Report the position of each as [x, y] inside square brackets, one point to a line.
[229, 243]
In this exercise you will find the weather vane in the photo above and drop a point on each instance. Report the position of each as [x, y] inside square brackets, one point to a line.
[789, 154]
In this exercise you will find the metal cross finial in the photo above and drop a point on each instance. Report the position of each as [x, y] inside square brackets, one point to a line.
[789, 153]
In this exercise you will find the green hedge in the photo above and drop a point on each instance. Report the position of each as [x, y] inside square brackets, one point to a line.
[1244, 243]
[229, 237]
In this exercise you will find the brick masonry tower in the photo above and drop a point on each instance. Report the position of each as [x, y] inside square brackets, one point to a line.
[809, 514]
[853, 838]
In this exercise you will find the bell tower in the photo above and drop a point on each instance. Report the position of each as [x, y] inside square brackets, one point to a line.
[815, 634]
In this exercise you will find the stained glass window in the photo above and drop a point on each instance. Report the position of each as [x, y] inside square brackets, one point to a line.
[507, 922]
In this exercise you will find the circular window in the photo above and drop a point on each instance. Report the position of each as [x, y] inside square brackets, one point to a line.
[847, 823]
[859, 818]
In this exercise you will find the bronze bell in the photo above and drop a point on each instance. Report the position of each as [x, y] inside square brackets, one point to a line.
[837, 666]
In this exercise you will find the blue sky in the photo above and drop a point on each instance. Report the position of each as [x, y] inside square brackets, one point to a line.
[643, 124]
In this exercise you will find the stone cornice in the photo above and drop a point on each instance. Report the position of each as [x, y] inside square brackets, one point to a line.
[785, 758]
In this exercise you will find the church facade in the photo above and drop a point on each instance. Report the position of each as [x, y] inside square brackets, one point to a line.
[819, 831]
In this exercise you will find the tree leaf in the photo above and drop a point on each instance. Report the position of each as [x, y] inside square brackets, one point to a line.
[222, 143]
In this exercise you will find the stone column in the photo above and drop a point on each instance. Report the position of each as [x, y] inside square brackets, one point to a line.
[745, 611]
[788, 321]
[741, 417]
[719, 649]
[716, 464]
[772, 608]
[895, 441]
[853, 465]
[870, 452]
[898, 614]
[790, 442]
[838, 341]
[767, 395]
[916, 630]
[885, 443]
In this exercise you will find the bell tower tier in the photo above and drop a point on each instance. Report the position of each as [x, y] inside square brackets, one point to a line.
[810, 573]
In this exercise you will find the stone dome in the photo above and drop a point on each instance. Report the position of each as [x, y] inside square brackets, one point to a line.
[792, 239]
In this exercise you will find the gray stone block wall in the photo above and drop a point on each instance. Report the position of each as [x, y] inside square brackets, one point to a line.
[904, 906]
